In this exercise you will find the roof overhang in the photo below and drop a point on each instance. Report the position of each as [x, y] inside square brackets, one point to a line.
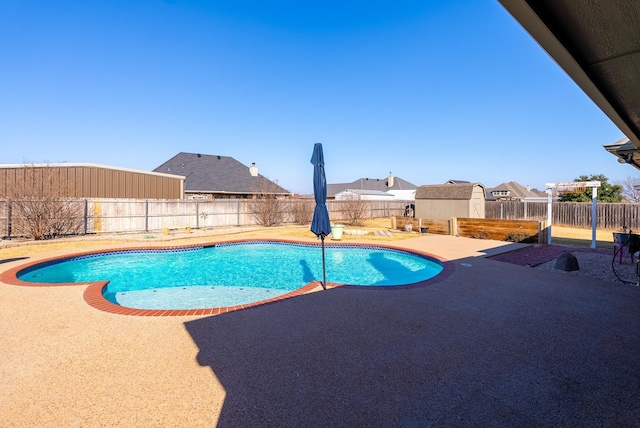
[596, 42]
[625, 151]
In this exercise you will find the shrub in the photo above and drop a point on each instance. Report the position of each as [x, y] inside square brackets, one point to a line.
[301, 212]
[519, 237]
[480, 234]
[268, 208]
[354, 211]
[39, 202]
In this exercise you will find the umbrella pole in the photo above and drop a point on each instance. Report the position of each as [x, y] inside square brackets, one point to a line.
[324, 271]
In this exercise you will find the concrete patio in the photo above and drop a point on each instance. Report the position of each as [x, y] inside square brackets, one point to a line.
[494, 344]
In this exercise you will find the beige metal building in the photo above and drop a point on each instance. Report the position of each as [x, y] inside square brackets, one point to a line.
[85, 180]
[443, 201]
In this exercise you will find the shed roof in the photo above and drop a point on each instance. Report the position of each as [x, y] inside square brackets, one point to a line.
[459, 191]
[219, 174]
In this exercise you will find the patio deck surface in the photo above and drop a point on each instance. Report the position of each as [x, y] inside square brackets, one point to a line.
[494, 344]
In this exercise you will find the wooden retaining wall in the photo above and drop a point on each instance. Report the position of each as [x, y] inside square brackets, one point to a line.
[502, 230]
[439, 227]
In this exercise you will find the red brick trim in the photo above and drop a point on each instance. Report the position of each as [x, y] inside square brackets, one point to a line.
[94, 298]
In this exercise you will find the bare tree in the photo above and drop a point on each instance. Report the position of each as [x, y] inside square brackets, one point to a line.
[301, 211]
[269, 207]
[40, 203]
[354, 210]
[629, 192]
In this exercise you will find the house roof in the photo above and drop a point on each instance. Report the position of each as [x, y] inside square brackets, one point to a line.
[366, 192]
[447, 191]
[516, 190]
[370, 184]
[216, 174]
[596, 43]
[456, 182]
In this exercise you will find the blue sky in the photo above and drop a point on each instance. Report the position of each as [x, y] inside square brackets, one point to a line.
[427, 90]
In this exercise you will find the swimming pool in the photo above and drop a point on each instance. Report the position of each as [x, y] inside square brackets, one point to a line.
[230, 274]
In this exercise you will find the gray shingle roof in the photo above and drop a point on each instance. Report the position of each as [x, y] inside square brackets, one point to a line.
[379, 184]
[516, 190]
[211, 173]
[446, 191]
[367, 192]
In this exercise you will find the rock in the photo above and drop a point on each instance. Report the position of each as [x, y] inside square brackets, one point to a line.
[567, 262]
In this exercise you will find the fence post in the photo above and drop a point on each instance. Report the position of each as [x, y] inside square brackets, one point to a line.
[541, 231]
[197, 215]
[146, 215]
[594, 215]
[238, 211]
[86, 215]
[549, 215]
[9, 219]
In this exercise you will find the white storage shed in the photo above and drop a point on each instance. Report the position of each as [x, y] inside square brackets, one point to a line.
[443, 201]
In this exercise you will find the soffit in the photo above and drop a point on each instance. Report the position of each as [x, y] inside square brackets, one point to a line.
[597, 43]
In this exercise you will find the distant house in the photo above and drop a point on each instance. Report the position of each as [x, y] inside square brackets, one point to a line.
[513, 191]
[403, 195]
[215, 177]
[456, 182]
[363, 195]
[396, 186]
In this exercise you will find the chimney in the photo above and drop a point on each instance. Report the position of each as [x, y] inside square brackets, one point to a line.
[528, 188]
[253, 169]
[390, 180]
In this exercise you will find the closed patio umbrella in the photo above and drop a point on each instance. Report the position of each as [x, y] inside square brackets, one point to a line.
[320, 225]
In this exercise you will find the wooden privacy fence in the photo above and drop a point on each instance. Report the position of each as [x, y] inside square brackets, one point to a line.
[609, 216]
[146, 215]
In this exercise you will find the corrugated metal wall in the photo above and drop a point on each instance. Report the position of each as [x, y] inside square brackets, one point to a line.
[95, 182]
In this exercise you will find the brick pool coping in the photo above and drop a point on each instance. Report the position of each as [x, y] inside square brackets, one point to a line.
[94, 298]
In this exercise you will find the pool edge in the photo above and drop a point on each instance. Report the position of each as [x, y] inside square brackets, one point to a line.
[93, 292]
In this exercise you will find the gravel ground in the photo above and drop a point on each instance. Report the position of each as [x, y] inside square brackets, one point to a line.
[598, 266]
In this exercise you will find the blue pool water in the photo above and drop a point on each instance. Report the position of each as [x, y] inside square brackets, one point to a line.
[231, 274]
